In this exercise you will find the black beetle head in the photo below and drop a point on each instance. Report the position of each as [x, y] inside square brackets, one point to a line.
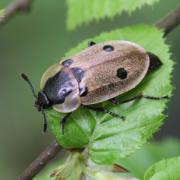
[42, 101]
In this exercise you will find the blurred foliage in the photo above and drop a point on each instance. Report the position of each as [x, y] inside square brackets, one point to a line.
[1, 13]
[166, 169]
[80, 11]
[142, 159]
[30, 43]
[137, 163]
[108, 138]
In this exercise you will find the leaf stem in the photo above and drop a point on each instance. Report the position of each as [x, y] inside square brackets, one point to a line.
[49, 153]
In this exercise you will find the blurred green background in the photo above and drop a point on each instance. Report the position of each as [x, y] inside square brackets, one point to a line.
[32, 42]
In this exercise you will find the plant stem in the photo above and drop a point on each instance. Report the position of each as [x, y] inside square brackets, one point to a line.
[170, 22]
[49, 153]
[15, 7]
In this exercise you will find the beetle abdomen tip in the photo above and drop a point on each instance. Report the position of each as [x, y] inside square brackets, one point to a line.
[155, 62]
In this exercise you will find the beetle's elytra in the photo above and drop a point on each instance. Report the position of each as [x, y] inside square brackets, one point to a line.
[98, 73]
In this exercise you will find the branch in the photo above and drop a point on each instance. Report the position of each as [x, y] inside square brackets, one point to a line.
[171, 21]
[49, 153]
[15, 7]
[168, 24]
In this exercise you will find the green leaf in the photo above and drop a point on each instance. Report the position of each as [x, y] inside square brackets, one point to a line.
[45, 173]
[62, 167]
[106, 175]
[72, 169]
[164, 170]
[150, 154]
[80, 11]
[109, 139]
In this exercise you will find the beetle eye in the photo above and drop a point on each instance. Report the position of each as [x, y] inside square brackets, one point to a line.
[108, 48]
[122, 73]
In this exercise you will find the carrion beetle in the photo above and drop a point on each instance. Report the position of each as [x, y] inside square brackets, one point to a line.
[99, 73]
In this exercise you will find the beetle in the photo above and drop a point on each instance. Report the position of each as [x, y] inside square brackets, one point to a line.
[99, 73]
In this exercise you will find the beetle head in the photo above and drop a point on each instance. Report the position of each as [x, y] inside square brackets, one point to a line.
[59, 89]
[42, 101]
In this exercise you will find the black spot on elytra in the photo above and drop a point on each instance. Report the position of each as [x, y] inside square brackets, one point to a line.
[91, 43]
[83, 91]
[122, 73]
[78, 73]
[67, 62]
[108, 48]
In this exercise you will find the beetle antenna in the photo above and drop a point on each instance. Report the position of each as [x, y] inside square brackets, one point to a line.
[45, 121]
[25, 77]
[30, 84]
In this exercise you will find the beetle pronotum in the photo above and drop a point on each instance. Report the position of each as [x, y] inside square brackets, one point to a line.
[99, 73]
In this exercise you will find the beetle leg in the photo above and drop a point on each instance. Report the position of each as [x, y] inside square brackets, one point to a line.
[100, 109]
[140, 96]
[154, 97]
[114, 101]
[63, 121]
[91, 43]
[83, 91]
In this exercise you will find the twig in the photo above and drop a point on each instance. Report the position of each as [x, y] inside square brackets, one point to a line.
[170, 21]
[168, 24]
[49, 153]
[15, 7]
